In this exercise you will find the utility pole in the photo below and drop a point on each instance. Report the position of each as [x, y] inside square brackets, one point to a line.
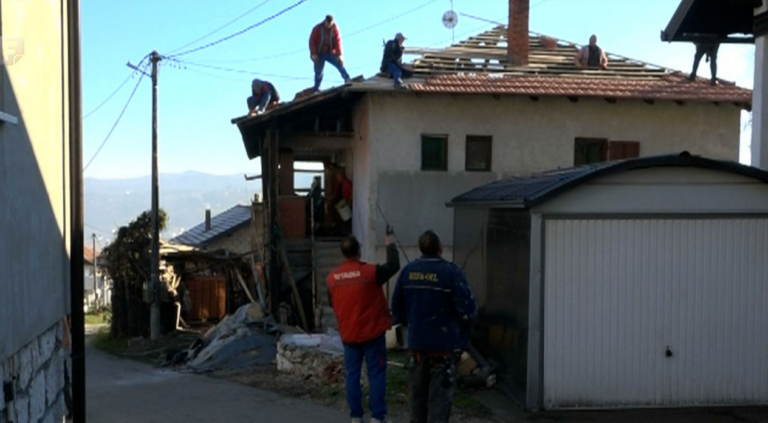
[155, 58]
[95, 284]
[154, 316]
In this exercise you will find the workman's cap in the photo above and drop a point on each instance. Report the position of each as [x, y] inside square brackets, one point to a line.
[400, 35]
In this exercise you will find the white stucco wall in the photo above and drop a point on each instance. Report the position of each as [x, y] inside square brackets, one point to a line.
[528, 137]
[34, 175]
[238, 242]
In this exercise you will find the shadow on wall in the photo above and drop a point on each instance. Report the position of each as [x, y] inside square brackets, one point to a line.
[34, 189]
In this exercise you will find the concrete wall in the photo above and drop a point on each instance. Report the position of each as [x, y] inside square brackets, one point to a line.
[528, 137]
[238, 242]
[34, 182]
[39, 385]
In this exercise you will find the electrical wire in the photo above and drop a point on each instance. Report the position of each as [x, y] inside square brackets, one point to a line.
[242, 31]
[115, 91]
[242, 15]
[242, 71]
[119, 117]
[346, 37]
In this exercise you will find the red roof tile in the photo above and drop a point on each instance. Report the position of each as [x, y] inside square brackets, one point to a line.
[669, 87]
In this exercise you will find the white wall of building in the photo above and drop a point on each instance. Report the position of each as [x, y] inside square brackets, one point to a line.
[34, 175]
[528, 137]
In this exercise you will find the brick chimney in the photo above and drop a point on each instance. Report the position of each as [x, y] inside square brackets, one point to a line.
[517, 32]
[207, 219]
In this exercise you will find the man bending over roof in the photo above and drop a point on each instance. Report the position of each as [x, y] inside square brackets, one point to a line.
[591, 56]
[263, 96]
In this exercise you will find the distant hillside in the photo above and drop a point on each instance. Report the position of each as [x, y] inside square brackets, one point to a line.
[111, 203]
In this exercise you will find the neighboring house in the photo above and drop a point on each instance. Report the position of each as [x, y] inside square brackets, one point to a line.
[41, 230]
[629, 284]
[96, 286]
[470, 116]
[732, 21]
[229, 231]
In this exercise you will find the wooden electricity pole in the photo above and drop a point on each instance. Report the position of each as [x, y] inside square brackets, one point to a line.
[155, 58]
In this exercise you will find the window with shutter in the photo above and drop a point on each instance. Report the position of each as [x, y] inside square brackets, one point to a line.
[590, 150]
[478, 154]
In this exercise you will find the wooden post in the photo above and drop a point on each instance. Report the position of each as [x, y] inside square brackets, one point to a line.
[271, 182]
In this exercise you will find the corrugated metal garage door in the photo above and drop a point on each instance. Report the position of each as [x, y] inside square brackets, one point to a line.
[618, 293]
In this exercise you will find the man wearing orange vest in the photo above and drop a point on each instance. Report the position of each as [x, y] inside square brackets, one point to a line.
[361, 309]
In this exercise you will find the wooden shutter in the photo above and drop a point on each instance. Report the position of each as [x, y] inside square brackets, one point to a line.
[619, 150]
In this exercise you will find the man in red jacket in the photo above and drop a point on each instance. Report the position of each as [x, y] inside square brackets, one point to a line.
[361, 310]
[325, 46]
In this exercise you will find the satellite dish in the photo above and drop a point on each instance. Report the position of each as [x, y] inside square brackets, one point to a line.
[450, 19]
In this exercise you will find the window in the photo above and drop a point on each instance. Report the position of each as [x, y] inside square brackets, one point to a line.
[434, 152]
[595, 150]
[590, 150]
[479, 152]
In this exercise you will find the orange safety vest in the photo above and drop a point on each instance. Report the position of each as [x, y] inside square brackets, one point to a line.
[358, 302]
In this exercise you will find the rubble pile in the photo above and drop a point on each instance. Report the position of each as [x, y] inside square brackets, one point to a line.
[319, 356]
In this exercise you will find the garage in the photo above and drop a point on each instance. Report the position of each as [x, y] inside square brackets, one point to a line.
[639, 283]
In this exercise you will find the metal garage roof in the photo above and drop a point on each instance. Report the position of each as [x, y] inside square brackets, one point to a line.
[528, 191]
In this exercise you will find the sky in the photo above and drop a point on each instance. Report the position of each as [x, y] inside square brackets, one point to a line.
[197, 102]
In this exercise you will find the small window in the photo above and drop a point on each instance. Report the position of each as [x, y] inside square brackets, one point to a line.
[434, 152]
[619, 150]
[479, 152]
[590, 150]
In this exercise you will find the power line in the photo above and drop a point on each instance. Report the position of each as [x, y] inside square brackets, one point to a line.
[242, 15]
[242, 71]
[242, 31]
[114, 92]
[301, 50]
[392, 18]
[115, 125]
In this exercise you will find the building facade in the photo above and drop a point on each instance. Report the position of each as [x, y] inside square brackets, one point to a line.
[35, 203]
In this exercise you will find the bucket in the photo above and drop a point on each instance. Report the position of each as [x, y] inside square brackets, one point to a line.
[344, 210]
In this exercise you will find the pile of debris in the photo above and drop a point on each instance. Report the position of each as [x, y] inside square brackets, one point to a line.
[317, 356]
[243, 339]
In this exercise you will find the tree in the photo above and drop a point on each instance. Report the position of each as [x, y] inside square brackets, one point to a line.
[128, 264]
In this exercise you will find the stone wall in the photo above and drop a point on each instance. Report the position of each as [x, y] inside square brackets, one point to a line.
[37, 374]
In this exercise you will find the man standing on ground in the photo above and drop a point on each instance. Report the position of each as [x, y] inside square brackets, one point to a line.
[325, 46]
[392, 62]
[361, 309]
[263, 96]
[591, 56]
[433, 300]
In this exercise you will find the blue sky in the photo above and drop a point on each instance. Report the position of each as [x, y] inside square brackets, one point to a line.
[197, 103]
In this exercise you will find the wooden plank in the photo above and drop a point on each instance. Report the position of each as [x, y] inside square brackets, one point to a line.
[243, 285]
[294, 288]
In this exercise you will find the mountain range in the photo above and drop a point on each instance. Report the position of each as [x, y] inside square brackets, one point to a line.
[111, 203]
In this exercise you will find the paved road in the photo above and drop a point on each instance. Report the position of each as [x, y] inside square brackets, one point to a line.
[126, 391]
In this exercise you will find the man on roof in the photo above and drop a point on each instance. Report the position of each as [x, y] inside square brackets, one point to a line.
[264, 96]
[709, 49]
[392, 62]
[325, 46]
[591, 56]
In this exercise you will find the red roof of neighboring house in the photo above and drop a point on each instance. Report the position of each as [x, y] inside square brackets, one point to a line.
[88, 254]
[670, 87]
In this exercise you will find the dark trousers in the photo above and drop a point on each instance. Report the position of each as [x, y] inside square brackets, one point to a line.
[433, 380]
[709, 50]
[374, 353]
